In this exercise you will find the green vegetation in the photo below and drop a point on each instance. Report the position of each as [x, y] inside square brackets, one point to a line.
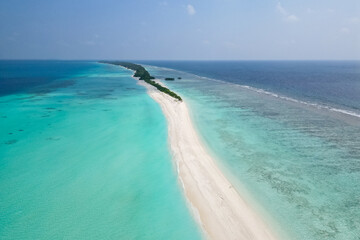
[169, 79]
[141, 72]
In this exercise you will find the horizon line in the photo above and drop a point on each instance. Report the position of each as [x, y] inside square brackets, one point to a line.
[174, 60]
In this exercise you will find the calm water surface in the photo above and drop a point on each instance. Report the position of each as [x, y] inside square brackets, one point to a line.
[84, 155]
[277, 130]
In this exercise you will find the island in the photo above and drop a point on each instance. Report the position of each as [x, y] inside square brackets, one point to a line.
[220, 211]
[143, 74]
[169, 79]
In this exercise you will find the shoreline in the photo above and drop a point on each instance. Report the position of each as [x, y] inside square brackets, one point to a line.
[216, 205]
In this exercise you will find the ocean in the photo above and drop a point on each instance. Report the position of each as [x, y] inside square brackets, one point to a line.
[84, 151]
[84, 155]
[287, 133]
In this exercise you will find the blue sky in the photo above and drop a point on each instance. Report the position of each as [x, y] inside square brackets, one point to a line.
[177, 29]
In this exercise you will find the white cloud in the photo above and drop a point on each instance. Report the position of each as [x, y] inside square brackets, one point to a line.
[282, 10]
[287, 16]
[309, 10]
[354, 20]
[190, 9]
[292, 18]
[345, 30]
[206, 42]
[231, 45]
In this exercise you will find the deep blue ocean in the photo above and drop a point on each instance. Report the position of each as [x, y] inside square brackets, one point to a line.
[330, 83]
[37, 76]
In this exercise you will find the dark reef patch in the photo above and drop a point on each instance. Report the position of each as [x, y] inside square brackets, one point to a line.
[10, 142]
[25, 98]
[53, 139]
[50, 87]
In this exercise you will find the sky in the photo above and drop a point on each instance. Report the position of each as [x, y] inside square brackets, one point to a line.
[180, 30]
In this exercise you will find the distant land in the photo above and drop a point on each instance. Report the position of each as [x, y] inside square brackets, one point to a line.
[142, 74]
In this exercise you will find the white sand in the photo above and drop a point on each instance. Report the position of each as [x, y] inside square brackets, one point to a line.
[218, 207]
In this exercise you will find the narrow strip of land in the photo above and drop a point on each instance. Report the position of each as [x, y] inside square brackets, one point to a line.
[142, 74]
[217, 206]
[219, 209]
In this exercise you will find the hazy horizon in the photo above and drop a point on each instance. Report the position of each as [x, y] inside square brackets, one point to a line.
[180, 30]
[185, 60]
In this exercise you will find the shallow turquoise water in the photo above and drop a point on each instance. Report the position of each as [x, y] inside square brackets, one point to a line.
[89, 161]
[299, 165]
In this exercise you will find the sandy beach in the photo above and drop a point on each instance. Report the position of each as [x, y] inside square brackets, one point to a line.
[216, 205]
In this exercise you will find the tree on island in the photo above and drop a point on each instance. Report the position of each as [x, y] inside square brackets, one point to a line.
[142, 74]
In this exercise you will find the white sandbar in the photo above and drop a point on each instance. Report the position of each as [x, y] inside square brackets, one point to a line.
[218, 207]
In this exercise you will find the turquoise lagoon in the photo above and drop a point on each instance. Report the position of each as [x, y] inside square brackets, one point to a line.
[297, 164]
[84, 155]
